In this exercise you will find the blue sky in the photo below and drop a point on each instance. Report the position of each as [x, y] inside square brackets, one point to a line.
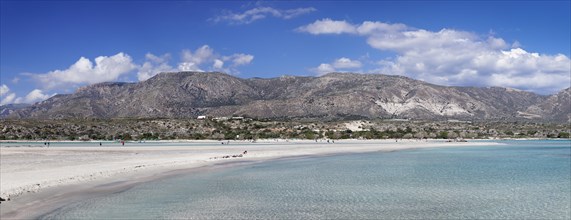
[50, 47]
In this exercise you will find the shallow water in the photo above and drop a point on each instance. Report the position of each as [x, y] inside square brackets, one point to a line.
[520, 180]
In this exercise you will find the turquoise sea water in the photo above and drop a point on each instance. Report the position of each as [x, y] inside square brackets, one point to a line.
[519, 180]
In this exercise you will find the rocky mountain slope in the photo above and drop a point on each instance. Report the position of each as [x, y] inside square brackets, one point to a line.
[555, 107]
[6, 110]
[189, 94]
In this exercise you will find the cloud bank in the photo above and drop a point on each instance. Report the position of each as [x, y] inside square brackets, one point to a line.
[454, 57]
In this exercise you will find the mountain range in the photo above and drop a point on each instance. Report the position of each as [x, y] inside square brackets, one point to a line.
[334, 95]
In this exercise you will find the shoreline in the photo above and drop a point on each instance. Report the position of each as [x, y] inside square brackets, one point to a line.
[269, 140]
[36, 183]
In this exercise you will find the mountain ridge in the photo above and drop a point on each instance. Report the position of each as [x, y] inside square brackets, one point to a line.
[334, 95]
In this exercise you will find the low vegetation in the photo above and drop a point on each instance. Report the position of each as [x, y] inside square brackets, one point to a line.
[249, 129]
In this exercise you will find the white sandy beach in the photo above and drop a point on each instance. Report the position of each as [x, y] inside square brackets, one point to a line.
[27, 169]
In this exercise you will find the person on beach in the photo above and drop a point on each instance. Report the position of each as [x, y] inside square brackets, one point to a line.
[100, 144]
[123, 143]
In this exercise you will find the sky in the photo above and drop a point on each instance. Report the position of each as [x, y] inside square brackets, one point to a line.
[56, 47]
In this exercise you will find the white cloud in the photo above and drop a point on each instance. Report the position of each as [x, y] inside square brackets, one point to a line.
[85, 72]
[191, 61]
[328, 26]
[218, 64]
[240, 59]
[34, 96]
[201, 55]
[516, 44]
[157, 59]
[346, 63]
[186, 66]
[454, 57]
[339, 65]
[153, 66]
[205, 59]
[375, 27]
[323, 69]
[6, 96]
[497, 43]
[292, 13]
[461, 58]
[4, 89]
[8, 99]
[258, 13]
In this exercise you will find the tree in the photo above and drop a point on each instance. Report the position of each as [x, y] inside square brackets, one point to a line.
[330, 134]
[217, 136]
[442, 135]
[127, 137]
[452, 135]
[420, 135]
[563, 135]
[309, 134]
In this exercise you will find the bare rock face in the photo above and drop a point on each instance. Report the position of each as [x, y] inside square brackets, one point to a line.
[189, 94]
[556, 107]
